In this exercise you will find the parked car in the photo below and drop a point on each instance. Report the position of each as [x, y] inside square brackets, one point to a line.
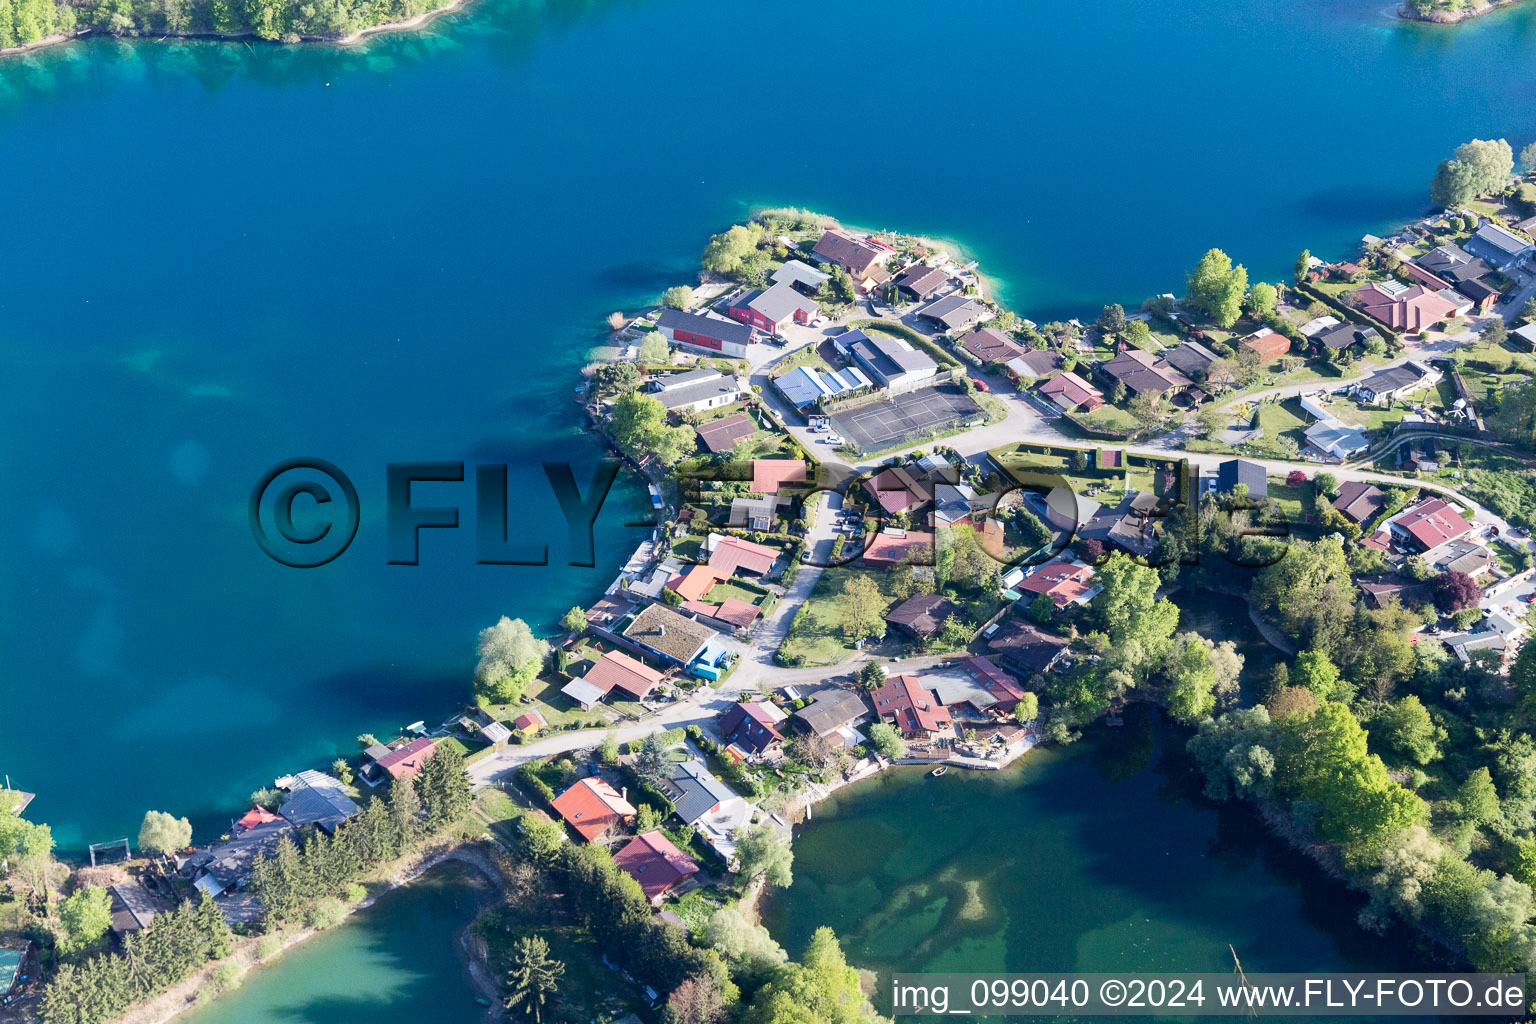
[981, 385]
[834, 439]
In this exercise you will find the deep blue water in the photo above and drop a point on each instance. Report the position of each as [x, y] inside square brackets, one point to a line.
[220, 256]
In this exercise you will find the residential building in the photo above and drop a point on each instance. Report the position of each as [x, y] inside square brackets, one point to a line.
[952, 312]
[694, 792]
[855, 254]
[1142, 373]
[1065, 581]
[1233, 472]
[1191, 359]
[702, 333]
[1395, 382]
[755, 513]
[975, 686]
[529, 722]
[921, 283]
[774, 308]
[894, 547]
[805, 387]
[732, 556]
[893, 363]
[1427, 524]
[1343, 337]
[1381, 591]
[955, 504]
[653, 861]
[1267, 344]
[1332, 441]
[913, 710]
[1403, 307]
[922, 615]
[1027, 649]
[616, 670]
[899, 490]
[718, 436]
[992, 346]
[133, 908]
[1463, 555]
[668, 635]
[1524, 336]
[1359, 501]
[591, 806]
[1069, 392]
[1500, 248]
[696, 390]
[406, 762]
[1035, 362]
[1466, 645]
[1450, 265]
[753, 726]
[770, 475]
[729, 615]
[832, 714]
[315, 798]
[226, 866]
[802, 275]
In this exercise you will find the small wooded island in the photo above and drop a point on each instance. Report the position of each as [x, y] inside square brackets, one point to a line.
[1446, 12]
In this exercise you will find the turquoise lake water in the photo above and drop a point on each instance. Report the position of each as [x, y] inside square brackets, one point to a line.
[219, 256]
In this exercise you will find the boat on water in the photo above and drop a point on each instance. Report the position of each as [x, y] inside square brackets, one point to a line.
[940, 770]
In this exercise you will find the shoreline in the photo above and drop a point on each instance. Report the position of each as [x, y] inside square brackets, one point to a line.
[1457, 17]
[407, 25]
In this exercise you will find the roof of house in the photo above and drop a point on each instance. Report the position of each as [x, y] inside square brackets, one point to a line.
[992, 346]
[733, 553]
[999, 683]
[922, 614]
[133, 907]
[617, 670]
[1144, 373]
[583, 692]
[1391, 379]
[799, 272]
[952, 310]
[898, 489]
[890, 357]
[10, 967]
[831, 709]
[1036, 362]
[1497, 242]
[696, 582]
[408, 760]
[1026, 647]
[675, 636]
[653, 861]
[732, 331]
[1403, 308]
[921, 281]
[715, 386]
[1526, 333]
[229, 863]
[693, 791]
[1065, 509]
[768, 475]
[954, 502]
[1267, 343]
[1342, 336]
[890, 548]
[1240, 471]
[529, 720]
[592, 806]
[1431, 522]
[1359, 500]
[1339, 439]
[804, 386]
[1064, 580]
[914, 709]
[315, 798]
[1072, 387]
[852, 252]
[781, 302]
[1190, 357]
[723, 434]
[1443, 259]
[737, 612]
[754, 724]
[1465, 556]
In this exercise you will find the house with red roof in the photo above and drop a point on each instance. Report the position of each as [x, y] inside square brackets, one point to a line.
[1405, 308]
[1069, 392]
[592, 807]
[768, 475]
[618, 671]
[695, 583]
[408, 761]
[898, 490]
[1427, 524]
[530, 722]
[893, 547]
[730, 556]
[914, 710]
[1064, 581]
[653, 861]
[1267, 344]
[730, 614]
[859, 255]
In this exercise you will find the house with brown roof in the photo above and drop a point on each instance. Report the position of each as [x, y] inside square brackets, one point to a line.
[732, 556]
[407, 761]
[1380, 591]
[899, 490]
[729, 615]
[921, 283]
[1142, 373]
[616, 670]
[1404, 307]
[1070, 392]
[1065, 581]
[724, 434]
[668, 635]
[592, 807]
[989, 345]
[753, 726]
[1359, 501]
[893, 547]
[1025, 648]
[1267, 344]
[768, 475]
[1036, 362]
[922, 615]
[653, 861]
[832, 714]
[913, 710]
[859, 255]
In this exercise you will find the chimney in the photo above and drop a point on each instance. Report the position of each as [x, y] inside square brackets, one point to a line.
[624, 794]
[661, 629]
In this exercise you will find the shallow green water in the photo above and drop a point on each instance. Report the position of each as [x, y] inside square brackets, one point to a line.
[395, 961]
[1100, 857]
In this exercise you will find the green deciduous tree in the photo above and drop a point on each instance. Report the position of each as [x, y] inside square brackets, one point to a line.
[1478, 167]
[1216, 288]
[887, 740]
[639, 427]
[726, 251]
[86, 915]
[510, 658]
[1027, 709]
[860, 607]
[162, 833]
[764, 852]
[679, 297]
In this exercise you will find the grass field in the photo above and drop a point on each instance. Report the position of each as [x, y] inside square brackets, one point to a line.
[1283, 419]
[817, 638]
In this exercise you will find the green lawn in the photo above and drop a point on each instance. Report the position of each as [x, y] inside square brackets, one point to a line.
[1283, 419]
[816, 638]
[558, 710]
[1109, 417]
[1371, 417]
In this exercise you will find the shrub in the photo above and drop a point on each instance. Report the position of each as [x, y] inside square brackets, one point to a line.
[356, 893]
[327, 913]
[268, 946]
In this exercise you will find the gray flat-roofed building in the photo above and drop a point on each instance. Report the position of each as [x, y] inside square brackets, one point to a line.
[802, 275]
[893, 363]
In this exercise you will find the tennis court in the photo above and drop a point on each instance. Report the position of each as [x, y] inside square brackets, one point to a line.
[907, 418]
